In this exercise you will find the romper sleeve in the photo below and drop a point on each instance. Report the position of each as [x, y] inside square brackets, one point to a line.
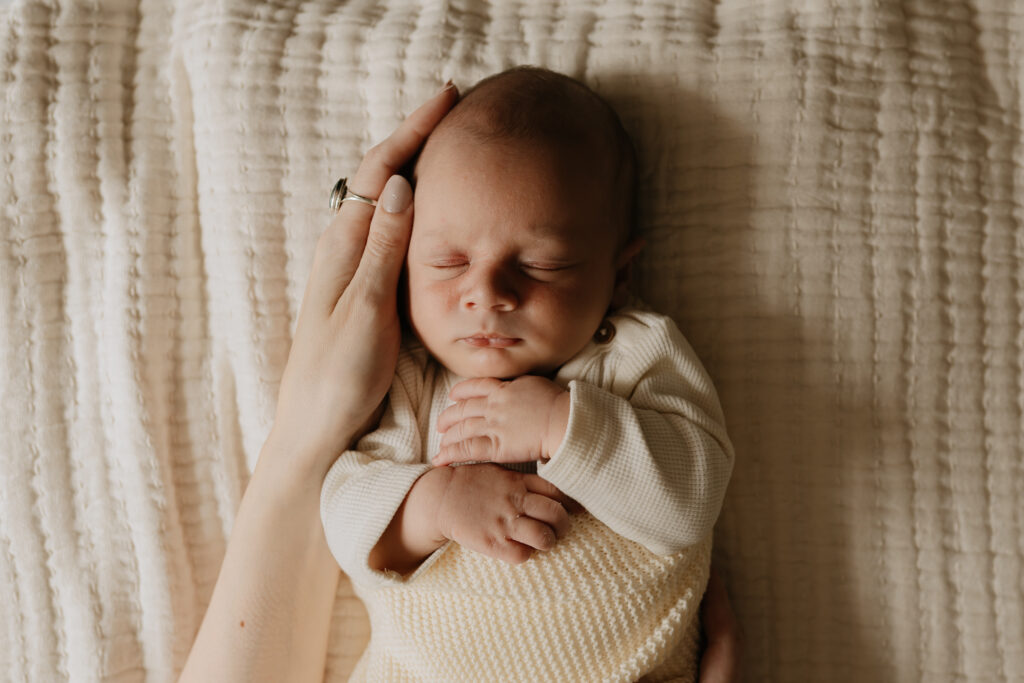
[645, 449]
[365, 486]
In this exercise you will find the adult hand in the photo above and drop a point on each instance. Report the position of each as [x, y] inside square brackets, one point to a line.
[720, 662]
[270, 612]
[343, 356]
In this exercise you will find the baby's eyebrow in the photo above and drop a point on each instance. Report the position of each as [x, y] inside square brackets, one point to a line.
[545, 234]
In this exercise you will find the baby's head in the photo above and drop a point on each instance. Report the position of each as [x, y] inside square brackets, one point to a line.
[522, 225]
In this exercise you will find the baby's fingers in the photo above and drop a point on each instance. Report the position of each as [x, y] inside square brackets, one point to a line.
[477, 387]
[533, 533]
[468, 428]
[507, 550]
[548, 511]
[476, 449]
[474, 407]
[538, 484]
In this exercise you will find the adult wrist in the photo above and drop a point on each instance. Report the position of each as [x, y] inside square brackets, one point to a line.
[296, 462]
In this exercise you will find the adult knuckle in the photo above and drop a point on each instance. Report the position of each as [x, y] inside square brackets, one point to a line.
[333, 238]
[375, 154]
[381, 243]
[380, 155]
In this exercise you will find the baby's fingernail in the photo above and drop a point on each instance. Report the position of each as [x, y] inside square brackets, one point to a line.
[448, 85]
[396, 195]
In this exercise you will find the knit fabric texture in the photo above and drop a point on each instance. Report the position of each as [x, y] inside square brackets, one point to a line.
[598, 607]
[831, 196]
[645, 452]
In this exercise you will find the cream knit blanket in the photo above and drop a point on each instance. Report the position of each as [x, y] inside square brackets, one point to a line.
[597, 607]
[832, 202]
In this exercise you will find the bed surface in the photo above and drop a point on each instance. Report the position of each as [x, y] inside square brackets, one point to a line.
[831, 198]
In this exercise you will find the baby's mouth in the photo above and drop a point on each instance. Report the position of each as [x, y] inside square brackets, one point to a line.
[491, 340]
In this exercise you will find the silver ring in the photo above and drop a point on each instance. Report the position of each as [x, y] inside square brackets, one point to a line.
[341, 193]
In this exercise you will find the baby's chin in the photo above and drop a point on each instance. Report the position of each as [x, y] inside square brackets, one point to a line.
[494, 363]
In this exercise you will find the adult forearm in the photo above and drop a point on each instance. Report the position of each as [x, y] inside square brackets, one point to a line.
[269, 615]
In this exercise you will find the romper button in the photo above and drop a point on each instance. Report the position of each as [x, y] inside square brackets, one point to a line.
[605, 333]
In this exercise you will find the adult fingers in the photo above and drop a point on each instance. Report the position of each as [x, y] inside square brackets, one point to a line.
[384, 159]
[334, 263]
[381, 264]
[339, 250]
[474, 388]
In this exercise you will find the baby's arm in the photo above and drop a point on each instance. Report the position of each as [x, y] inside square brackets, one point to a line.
[646, 452]
[366, 485]
[494, 511]
[382, 507]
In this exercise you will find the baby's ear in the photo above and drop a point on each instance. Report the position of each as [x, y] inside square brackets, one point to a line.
[624, 269]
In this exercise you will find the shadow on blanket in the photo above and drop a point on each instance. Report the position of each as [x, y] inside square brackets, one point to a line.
[704, 266]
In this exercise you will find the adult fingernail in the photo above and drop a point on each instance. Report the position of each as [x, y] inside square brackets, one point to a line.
[396, 195]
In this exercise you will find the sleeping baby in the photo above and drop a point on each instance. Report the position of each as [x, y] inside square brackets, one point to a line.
[529, 386]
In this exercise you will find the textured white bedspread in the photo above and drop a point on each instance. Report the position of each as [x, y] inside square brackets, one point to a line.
[832, 201]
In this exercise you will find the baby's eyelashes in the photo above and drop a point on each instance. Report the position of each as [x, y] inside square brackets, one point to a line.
[525, 265]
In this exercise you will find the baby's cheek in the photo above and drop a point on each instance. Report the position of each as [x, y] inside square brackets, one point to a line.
[446, 295]
[429, 294]
[558, 301]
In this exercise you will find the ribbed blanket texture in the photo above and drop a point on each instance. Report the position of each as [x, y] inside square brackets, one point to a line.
[831, 196]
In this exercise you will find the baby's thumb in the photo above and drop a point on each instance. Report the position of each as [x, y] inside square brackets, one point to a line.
[388, 239]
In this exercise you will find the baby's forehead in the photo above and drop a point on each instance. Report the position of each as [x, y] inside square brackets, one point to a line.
[588, 169]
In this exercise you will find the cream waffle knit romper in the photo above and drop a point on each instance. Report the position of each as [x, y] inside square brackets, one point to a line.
[645, 452]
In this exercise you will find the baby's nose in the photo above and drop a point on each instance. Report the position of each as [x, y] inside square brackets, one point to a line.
[491, 289]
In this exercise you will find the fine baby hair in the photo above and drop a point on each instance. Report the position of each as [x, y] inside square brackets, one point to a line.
[533, 107]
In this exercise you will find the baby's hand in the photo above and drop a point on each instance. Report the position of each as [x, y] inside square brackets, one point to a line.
[518, 421]
[501, 513]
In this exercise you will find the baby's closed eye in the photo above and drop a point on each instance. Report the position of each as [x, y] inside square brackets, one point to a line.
[534, 265]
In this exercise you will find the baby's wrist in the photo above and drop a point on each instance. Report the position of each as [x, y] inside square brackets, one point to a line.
[558, 424]
[424, 502]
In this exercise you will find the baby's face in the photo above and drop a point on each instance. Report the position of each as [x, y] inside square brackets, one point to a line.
[511, 263]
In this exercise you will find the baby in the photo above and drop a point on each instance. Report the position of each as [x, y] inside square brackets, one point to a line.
[525, 353]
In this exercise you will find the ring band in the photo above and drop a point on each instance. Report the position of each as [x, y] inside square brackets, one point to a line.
[341, 193]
